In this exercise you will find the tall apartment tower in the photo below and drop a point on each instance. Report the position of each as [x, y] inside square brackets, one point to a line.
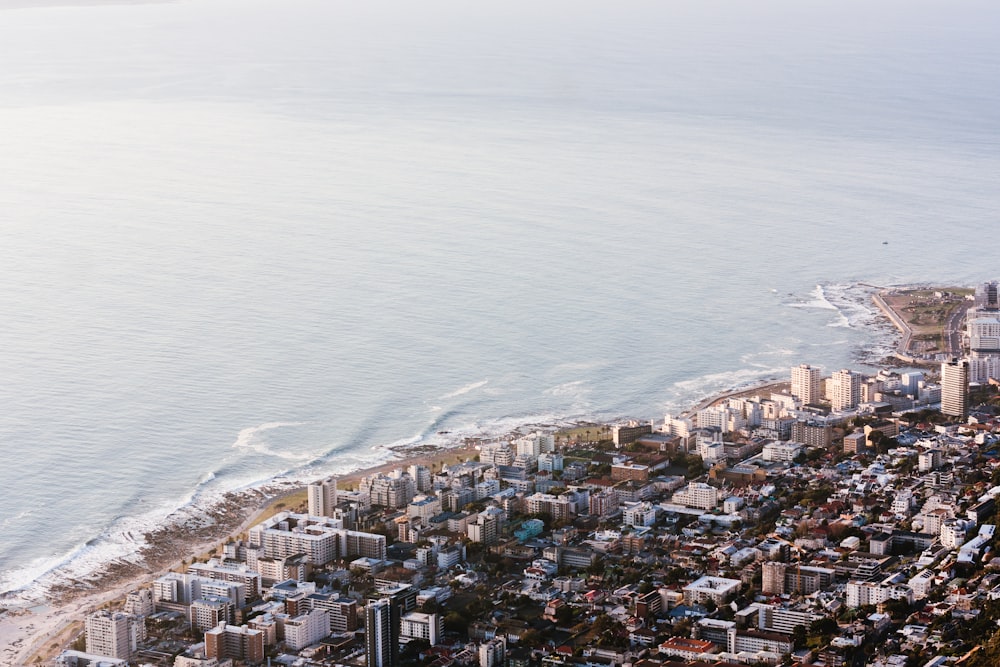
[955, 388]
[382, 621]
[845, 390]
[773, 577]
[323, 497]
[805, 384]
[115, 635]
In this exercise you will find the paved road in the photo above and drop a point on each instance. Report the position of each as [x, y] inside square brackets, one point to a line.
[953, 330]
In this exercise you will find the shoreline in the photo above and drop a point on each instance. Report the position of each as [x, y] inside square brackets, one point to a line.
[198, 532]
[28, 633]
[42, 630]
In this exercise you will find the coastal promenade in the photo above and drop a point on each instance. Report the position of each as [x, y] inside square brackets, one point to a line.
[42, 631]
[903, 349]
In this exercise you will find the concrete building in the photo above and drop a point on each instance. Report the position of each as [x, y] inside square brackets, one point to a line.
[717, 589]
[394, 490]
[806, 384]
[238, 642]
[493, 652]
[697, 494]
[781, 451]
[986, 298]
[550, 462]
[307, 629]
[422, 478]
[382, 621]
[207, 613]
[321, 539]
[812, 434]
[639, 514]
[928, 460]
[955, 388]
[624, 434]
[860, 593]
[322, 496]
[81, 659]
[416, 625]
[239, 574]
[845, 390]
[341, 611]
[113, 634]
[780, 578]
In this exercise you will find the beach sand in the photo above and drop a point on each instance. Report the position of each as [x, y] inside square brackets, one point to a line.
[45, 630]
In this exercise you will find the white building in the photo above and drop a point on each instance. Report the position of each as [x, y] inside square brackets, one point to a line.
[113, 634]
[806, 384]
[954, 532]
[322, 497]
[955, 388]
[321, 539]
[415, 625]
[697, 494]
[639, 514]
[845, 390]
[424, 507]
[493, 653]
[781, 451]
[860, 593]
[717, 589]
[307, 629]
[677, 426]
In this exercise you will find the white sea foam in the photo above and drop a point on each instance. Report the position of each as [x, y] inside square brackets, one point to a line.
[343, 303]
[251, 439]
[461, 391]
[819, 300]
[11, 520]
[122, 540]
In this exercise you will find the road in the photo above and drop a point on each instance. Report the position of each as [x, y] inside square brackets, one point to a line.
[952, 332]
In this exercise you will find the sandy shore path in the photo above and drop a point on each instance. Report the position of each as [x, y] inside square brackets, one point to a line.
[43, 631]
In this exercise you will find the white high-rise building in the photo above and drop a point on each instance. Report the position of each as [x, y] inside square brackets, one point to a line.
[806, 384]
[955, 388]
[307, 629]
[113, 634]
[492, 653]
[422, 477]
[845, 390]
[323, 497]
[984, 333]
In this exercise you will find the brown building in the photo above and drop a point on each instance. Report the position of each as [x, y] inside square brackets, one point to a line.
[237, 642]
[633, 472]
[812, 434]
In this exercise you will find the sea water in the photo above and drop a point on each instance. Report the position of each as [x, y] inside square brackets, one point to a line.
[252, 240]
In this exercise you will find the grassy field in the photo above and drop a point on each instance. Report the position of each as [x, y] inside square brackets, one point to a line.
[925, 311]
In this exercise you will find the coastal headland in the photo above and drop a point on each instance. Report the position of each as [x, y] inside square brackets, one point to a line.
[928, 319]
[37, 634]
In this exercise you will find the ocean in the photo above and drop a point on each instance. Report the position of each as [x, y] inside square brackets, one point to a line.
[244, 241]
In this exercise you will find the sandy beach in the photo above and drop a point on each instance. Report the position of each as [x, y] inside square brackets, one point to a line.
[44, 630]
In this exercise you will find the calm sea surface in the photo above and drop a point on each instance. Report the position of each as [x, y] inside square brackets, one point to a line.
[248, 239]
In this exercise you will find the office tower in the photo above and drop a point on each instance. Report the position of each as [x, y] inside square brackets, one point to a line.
[955, 388]
[323, 497]
[382, 620]
[987, 296]
[805, 384]
[845, 390]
